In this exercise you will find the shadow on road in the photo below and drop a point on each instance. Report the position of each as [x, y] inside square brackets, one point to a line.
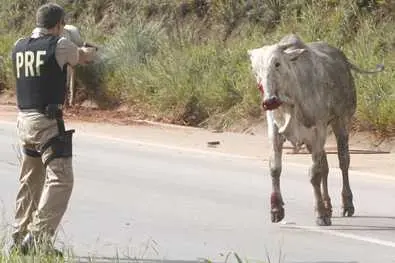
[362, 228]
[384, 225]
[324, 262]
[368, 217]
[371, 217]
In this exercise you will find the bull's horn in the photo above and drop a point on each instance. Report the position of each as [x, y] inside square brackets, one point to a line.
[285, 46]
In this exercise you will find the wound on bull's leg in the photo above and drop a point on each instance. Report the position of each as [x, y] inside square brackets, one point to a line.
[277, 209]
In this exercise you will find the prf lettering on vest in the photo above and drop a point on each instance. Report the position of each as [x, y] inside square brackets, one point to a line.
[31, 61]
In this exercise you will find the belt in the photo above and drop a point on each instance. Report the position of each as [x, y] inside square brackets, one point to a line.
[52, 110]
[32, 110]
[42, 108]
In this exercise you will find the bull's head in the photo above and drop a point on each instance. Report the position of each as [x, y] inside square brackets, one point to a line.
[272, 66]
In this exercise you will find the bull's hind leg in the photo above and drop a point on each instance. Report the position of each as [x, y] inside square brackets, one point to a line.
[276, 200]
[325, 195]
[319, 171]
[324, 190]
[319, 175]
[342, 137]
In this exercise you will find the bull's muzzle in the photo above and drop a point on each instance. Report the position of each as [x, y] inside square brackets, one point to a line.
[272, 103]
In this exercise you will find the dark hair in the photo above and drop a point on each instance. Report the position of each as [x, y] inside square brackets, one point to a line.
[49, 15]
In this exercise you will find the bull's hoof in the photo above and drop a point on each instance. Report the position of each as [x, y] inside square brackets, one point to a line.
[348, 211]
[328, 208]
[277, 209]
[277, 214]
[329, 212]
[348, 206]
[324, 221]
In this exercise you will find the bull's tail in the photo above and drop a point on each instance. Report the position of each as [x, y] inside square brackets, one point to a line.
[379, 68]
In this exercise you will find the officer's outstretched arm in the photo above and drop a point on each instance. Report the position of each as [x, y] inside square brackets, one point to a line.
[69, 53]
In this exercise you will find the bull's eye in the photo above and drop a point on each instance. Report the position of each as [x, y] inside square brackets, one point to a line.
[277, 64]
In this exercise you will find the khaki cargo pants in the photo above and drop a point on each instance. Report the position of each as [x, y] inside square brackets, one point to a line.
[44, 192]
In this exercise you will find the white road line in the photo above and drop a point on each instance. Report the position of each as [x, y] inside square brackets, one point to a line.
[344, 235]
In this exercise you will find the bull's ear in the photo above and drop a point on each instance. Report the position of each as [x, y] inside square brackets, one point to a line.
[294, 54]
[250, 52]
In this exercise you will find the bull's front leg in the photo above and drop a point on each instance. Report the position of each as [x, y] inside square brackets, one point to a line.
[276, 200]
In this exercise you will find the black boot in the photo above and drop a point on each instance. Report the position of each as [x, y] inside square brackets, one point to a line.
[17, 238]
[15, 248]
[31, 244]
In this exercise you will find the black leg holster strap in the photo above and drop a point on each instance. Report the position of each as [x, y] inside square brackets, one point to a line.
[61, 145]
[31, 153]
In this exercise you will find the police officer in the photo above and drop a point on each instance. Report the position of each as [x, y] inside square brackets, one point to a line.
[46, 173]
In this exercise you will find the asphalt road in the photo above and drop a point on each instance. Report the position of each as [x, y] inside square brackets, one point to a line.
[157, 203]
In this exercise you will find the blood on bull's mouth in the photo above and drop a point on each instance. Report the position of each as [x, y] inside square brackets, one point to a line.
[271, 103]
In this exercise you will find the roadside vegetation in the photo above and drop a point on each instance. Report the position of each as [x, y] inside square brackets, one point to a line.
[70, 257]
[185, 61]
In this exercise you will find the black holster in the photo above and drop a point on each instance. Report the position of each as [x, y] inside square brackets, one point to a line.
[61, 145]
[52, 111]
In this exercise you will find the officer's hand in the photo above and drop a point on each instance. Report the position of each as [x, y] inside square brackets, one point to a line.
[86, 54]
[86, 44]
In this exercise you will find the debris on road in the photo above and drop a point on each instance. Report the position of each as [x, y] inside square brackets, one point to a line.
[213, 143]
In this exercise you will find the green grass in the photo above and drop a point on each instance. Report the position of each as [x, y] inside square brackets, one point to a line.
[128, 255]
[186, 61]
[70, 257]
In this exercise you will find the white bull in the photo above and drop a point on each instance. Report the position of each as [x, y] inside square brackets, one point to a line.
[307, 89]
[72, 33]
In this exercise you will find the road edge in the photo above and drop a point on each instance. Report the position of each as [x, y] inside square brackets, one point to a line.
[222, 154]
